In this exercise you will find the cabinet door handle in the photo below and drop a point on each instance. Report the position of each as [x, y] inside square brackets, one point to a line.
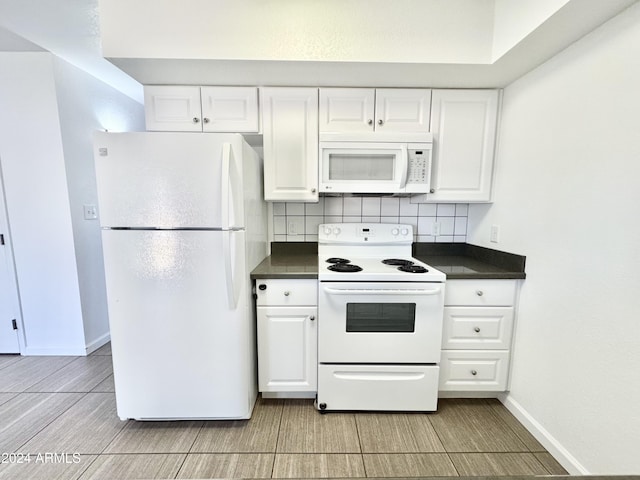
[312, 318]
[205, 120]
[196, 120]
[476, 329]
[479, 293]
[380, 122]
[474, 373]
[369, 122]
[313, 190]
[287, 293]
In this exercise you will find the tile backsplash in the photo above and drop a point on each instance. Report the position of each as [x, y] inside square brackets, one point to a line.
[298, 222]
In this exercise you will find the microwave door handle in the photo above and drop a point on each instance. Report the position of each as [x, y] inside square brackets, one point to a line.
[404, 166]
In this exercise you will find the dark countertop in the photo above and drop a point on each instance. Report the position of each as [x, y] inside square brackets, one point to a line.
[456, 260]
[466, 261]
[289, 260]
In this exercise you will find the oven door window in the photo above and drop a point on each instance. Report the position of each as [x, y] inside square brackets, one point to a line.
[381, 317]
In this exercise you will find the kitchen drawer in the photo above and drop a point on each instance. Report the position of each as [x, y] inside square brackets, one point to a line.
[378, 387]
[480, 292]
[287, 292]
[470, 370]
[486, 328]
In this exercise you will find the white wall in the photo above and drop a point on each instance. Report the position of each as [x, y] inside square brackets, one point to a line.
[38, 205]
[48, 111]
[513, 21]
[567, 196]
[85, 105]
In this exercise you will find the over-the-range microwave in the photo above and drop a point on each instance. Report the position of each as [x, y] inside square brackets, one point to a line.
[385, 163]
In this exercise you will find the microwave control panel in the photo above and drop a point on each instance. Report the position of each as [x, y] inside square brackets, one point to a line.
[419, 166]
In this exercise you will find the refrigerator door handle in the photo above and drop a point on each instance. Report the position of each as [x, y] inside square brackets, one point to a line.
[228, 268]
[224, 184]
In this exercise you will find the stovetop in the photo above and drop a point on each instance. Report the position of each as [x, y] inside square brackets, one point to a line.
[373, 269]
[370, 252]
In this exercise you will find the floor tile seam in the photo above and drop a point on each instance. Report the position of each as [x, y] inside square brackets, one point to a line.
[47, 376]
[53, 419]
[509, 427]
[282, 405]
[184, 460]
[84, 470]
[10, 398]
[435, 430]
[453, 464]
[544, 467]
[68, 391]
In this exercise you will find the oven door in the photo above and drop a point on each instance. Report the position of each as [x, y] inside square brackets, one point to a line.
[371, 322]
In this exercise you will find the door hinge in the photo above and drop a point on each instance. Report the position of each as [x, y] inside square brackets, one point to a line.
[14, 323]
[1, 239]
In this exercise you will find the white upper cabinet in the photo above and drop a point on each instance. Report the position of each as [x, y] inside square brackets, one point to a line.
[374, 110]
[229, 109]
[172, 109]
[463, 123]
[290, 137]
[201, 109]
[402, 109]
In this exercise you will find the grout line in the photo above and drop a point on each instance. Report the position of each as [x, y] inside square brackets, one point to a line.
[275, 451]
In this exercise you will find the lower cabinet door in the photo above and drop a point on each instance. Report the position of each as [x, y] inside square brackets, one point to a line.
[473, 370]
[287, 349]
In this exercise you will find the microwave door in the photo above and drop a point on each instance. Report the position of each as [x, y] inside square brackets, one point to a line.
[363, 169]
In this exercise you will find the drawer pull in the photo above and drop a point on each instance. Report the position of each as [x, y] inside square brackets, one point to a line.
[312, 318]
[476, 329]
[474, 372]
[287, 293]
[479, 293]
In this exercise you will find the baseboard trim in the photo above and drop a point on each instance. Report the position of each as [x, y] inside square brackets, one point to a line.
[548, 441]
[96, 344]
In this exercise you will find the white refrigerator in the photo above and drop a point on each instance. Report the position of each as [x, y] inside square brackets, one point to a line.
[183, 223]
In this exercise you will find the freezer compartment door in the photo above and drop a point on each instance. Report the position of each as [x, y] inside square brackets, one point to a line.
[169, 180]
[179, 350]
[378, 387]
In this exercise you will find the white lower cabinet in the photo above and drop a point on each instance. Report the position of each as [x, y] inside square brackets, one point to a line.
[287, 335]
[477, 335]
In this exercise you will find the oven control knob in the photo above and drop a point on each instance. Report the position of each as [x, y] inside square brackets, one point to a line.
[395, 231]
[404, 231]
[336, 231]
[327, 230]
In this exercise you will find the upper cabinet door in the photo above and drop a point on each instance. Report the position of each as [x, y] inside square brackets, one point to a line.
[174, 109]
[346, 109]
[402, 109]
[290, 136]
[229, 109]
[463, 123]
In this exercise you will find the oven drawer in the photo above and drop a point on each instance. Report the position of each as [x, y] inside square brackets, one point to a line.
[378, 387]
[480, 292]
[487, 328]
[284, 292]
[474, 370]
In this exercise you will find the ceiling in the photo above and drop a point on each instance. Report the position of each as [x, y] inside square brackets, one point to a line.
[70, 29]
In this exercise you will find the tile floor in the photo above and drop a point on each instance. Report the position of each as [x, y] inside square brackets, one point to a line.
[60, 413]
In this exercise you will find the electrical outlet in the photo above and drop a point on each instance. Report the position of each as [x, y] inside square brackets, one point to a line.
[295, 226]
[495, 234]
[435, 229]
[90, 212]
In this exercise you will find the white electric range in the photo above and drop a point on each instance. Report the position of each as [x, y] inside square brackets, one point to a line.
[380, 315]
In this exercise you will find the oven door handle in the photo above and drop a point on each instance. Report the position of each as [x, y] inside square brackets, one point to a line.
[386, 291]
